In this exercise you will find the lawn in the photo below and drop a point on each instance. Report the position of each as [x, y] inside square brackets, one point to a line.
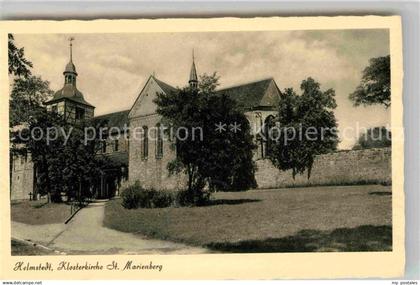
[39, 212]
[335, 218]
[22, 248]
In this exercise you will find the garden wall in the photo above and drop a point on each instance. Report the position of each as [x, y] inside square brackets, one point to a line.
[338, 168]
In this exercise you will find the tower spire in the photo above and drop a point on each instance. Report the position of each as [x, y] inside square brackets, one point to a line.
[193, 73]
[70, 73]
[71, 39]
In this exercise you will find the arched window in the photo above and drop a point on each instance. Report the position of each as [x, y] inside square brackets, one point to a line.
[159, 141]
[145, 149]
[268, 123]
[116, 145]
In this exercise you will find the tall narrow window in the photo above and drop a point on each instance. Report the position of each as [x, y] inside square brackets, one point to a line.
[145, 150]
[116, 145]
[159, 142]
[268, 124]
[104, 146]
[261, 143]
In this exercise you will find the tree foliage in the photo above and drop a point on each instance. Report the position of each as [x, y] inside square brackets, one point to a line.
[28, 94]
[220, 159]
[67, 163]
[30, 139]
[305, 126]
[374, 138]
[375, 86]
[64, 160]
[18, 64]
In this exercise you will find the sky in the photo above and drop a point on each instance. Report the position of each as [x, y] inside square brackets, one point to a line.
[113, 68]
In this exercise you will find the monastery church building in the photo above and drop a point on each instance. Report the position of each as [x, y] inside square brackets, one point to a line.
[140, 160]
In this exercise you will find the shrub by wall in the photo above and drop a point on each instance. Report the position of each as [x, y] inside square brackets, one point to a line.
[135, 196]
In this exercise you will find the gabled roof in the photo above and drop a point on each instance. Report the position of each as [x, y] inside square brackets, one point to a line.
[262, 94]
[250, 95]
[116, 119]
[165, 87]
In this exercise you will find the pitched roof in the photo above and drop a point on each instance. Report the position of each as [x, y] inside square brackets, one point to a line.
[116, 119]
[193, 73]
[165, 87]
[249, 95]
[70, 92]
[258, 94]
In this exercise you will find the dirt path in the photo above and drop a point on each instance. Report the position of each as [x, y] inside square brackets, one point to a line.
[85, 234]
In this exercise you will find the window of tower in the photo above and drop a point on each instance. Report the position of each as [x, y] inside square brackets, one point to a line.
[80, 113]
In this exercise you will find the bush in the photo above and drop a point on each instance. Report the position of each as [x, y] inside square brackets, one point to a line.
[386, 183]
[131, 196]
[56, 197]
[160, 199]
[189, 198]
[135, 196]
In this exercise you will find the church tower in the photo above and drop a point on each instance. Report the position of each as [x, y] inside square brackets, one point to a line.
[70, 73]
[193, 74]
[69, 101]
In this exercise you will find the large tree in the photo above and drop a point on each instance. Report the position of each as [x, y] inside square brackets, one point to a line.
[78, 164]
[373, 138]
[18, 65]
[28, 94]
[64, 154]
[30, 138]
[375, 86]
[304, 127]
[63, 160]
[210, 149]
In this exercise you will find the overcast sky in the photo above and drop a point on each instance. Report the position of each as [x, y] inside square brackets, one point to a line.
[113, 68]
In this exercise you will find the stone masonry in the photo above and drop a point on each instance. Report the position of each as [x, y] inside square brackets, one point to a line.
[337, 168]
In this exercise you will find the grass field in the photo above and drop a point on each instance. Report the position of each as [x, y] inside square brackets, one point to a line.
[39, 212]
[344, 218]
[22, 248]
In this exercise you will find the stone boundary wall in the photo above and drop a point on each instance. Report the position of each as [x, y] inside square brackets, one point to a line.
[337, 168]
